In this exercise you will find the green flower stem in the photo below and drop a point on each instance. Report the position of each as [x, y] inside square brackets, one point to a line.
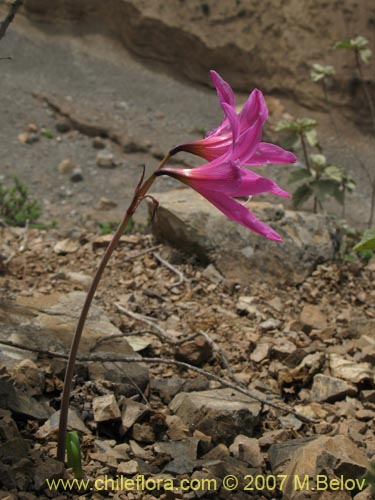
[63, 423]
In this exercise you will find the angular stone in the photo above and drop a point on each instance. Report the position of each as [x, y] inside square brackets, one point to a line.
[128, 468]
[65, 246]
[46, 322]
[195, 352]
[105, 159]
[220, 413]
[331, 389]
[105, 408]
[143, 433]
[188, 221]
[22, 401]
[248, 450]
[132, 411]
[260, 352]
[313, 318]
[66, 166]
[332, 456]
[212, 274]
[269, 324]
[350, 370]
[50, 428]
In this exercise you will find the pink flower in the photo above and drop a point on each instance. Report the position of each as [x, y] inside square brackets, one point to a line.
[236, 142]
[217, 142]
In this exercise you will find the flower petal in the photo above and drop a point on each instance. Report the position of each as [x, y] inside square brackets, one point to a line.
[254, 109]
[239, 213]
[233, 121]
[221, 177]
[223, 89]
[252, 183]
[270, 153]
[247, 143]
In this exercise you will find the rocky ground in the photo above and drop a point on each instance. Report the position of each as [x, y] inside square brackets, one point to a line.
[302, 356]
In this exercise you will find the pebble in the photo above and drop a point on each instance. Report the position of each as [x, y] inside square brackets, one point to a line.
[105, 159]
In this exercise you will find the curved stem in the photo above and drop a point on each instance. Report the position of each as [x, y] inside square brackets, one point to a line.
[63, 422]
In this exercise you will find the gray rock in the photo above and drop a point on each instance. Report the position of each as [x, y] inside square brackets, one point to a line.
[77, 175]
[105, 159]
[189, 222]
[212, 274]
[248, 450]
[349, 369]
[22, 401]
[47, 321]
[195, 352]
[132, 411]
[331, 389]
[220, 413]
[332, 457]
[106, 409]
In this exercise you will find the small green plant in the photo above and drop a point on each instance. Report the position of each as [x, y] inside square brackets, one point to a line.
[47, 133]
[367, 241]
[359, 45]
[318, 179]
[73, 454]
[16, 208]
[110, 227]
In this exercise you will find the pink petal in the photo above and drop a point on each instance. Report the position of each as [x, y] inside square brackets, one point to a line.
[233, 121]
[247, 143]
[214, 176]
[270, 153]
[254, 109]
[223, 89]
[239, 213]
[252, 183]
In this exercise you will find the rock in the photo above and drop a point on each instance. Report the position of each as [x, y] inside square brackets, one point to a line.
[105, 159]
[350, 370]
[28, 138]
[132, 411]
[282, 348]
[245, 305]
[98, 143]
[189, 222]
[220, 452]
[329, 456]
[304, 371]
[106, 204]
[128, 468]
[66, 166]
[106, 409]
[195, 352]
[79, 278]
[47, 469]
[212, 274]
[269, 324]
[312, 318]
[22, 401]
[248, 450]
[169, 387]
[27, 373]
[183, 454]
[77, 175]
[220, 413]
[50, 428]
[177, 430]
[330, 389]
[143, 433]
[65, 246]
[63, 125]
[260, 352]
[46, 322]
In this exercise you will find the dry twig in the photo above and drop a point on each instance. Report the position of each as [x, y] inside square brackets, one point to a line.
[181, 277]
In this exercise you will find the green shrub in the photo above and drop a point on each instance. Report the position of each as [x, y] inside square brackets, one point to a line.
[16, 208]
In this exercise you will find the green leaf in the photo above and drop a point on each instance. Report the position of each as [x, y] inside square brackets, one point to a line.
[73, 452]
[286, 126]
[319, 72]
[301, 195]
[344, 44]
[335, 173]
[365, 55]
[299, 175]
[318, 160]
[312, 138]
[47, 133]
[367, 242]
[328, 187]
